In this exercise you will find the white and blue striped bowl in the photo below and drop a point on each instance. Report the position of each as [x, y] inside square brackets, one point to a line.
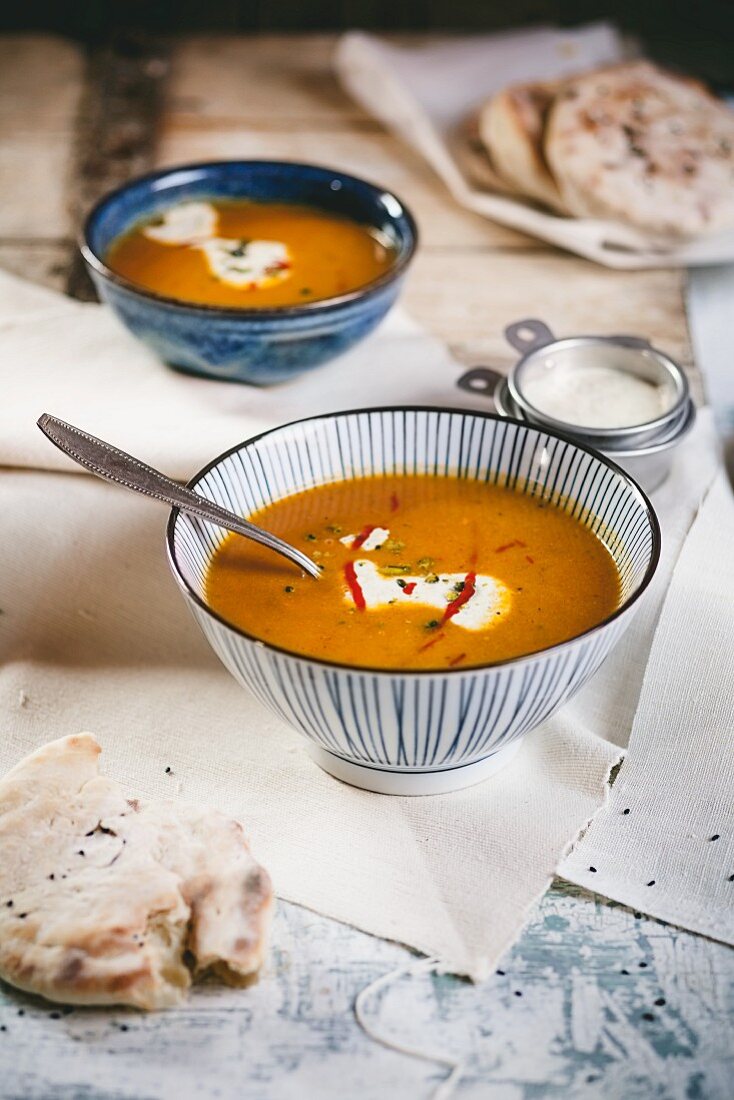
[418, 732]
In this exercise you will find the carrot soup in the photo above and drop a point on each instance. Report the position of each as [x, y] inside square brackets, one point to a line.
[239, 254]
[418, 572]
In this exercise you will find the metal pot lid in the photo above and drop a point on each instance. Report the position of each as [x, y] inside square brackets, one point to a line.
[579, 364]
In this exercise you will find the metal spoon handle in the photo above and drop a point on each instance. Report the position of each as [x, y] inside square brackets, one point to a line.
[112, 464]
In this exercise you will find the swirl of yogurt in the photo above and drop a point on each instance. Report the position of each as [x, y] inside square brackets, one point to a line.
[243, 264]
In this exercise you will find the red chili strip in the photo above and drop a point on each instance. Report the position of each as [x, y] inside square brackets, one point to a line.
[470, 582]
[457, 660]
[394, 502]
[509, 545]
[408, 589]
[437, 638]
[531, 560]
[363, 535]
[350, 575]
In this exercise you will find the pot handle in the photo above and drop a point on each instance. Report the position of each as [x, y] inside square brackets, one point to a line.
[629, 341]
[482, 381]
[528, 335]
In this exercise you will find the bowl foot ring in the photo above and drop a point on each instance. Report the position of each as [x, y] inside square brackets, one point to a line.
[412, 782]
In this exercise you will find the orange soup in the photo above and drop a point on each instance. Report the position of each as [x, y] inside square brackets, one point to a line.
[417, 572]
[250, 255]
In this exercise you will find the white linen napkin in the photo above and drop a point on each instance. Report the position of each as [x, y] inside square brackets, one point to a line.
[426, 94]
[664, 842]
[76, 361]
[95, 635]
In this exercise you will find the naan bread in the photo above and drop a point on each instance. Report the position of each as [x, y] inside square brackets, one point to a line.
[639, 145]
[108, 900]
[511, 126]
[474, 159]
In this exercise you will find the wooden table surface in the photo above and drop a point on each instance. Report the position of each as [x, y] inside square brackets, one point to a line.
[593, 1000]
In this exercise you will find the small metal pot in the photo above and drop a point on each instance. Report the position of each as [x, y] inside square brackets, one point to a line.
[542, 352]
[643, 450]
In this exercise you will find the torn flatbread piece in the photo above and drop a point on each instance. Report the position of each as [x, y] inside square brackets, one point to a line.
[642, 146]
[110, 900]
[474, 159]
[511, 126]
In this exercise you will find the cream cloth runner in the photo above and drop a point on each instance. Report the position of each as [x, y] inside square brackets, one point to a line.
[75, 361]
[94, 635]
[427, 94]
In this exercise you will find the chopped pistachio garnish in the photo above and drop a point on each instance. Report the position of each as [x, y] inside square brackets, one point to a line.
[311, 538]
[424, 564]
[392, 570]
[334, 528]
[394, 546]
[432, 578]
[431, 624]
[289, 588]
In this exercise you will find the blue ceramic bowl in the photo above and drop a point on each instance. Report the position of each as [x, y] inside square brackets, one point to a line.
[417, 732]
[260, 346]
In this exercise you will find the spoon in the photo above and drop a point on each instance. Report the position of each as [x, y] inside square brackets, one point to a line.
[112, 464]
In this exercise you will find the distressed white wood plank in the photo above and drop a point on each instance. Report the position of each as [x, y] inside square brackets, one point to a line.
[588, 973]
[258, 78]
[374, 155]
[40, 83]
[43, 262]
[467, 297]
[470, 297]
[40, 78]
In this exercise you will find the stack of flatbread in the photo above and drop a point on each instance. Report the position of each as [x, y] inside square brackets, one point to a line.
[631, 143]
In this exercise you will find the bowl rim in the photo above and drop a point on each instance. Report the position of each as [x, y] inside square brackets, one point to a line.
[250, 313]
[404, 672]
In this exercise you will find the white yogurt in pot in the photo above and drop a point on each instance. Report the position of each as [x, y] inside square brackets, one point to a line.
[594, 396]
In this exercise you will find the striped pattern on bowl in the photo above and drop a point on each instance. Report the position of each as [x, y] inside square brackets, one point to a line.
[424, 720]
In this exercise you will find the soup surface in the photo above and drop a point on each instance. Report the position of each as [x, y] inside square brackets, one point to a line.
[250, 255]
[418, 572]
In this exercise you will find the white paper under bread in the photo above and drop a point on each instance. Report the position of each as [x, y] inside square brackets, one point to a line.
[424, 93]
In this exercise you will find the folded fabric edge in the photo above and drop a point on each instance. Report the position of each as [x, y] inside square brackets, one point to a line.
[687, 917]
[475, 969]
[611, 774]
[31, 299]
[462, 967]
